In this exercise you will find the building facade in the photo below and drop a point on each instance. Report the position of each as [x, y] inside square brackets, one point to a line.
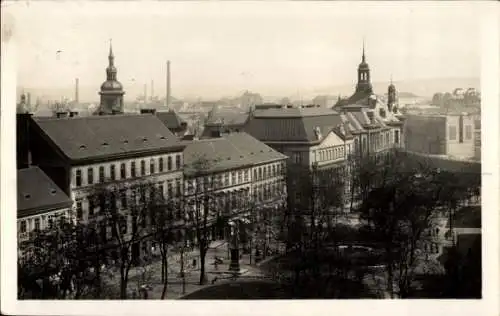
[40, 202]
[87, 155]
[231, 176]
[447, 135]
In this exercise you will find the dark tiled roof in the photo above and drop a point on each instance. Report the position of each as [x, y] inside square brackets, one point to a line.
[102, 137]
[37, 193]
[228, 152]
[171, 119]
[292, 125]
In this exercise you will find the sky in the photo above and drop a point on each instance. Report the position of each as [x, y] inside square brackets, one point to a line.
[224, 48]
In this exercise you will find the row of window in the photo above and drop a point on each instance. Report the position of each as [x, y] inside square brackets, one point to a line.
[155, 165]
[452, 131]
[268, 191]
[265, 172]
[331, 153]
[37, 223]
[232, 178]
[125, 198]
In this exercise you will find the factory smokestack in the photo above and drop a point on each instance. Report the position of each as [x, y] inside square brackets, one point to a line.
[28, 99]
[77, 100]
[145, 93]
[152, 90]
[167, 98]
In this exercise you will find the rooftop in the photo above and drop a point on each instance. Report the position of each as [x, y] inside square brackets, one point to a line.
[232, 151]
[102, 137]
[171, 119]
[37, 193]
[292, 125]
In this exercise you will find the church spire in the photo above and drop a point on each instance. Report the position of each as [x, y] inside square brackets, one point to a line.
[363, 58]
[111, 57]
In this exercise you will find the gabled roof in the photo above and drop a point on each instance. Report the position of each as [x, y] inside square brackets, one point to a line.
[229, 152]
[171, 119]
[108, 137]
[292, 124]
[37, 193]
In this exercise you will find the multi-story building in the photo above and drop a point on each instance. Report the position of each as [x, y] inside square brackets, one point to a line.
[446, 135]
[84, 154]
[238, 173]
[379, 125]
[39, 202]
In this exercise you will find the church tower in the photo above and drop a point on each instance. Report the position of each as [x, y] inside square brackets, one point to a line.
[364, 85]
[391, 97]
[111, 90]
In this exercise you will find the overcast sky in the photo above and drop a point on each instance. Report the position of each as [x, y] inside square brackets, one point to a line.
[221, 48]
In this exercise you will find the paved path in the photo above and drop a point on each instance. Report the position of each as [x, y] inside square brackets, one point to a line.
[151, 274]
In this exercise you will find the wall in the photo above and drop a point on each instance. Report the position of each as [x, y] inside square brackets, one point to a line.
[425, 134]
[461, 146]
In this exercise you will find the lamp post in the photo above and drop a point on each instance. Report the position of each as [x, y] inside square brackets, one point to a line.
[234, 264]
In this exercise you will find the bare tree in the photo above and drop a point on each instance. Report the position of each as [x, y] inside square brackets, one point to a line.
[201, 206]
[124, 212]
[165, 219]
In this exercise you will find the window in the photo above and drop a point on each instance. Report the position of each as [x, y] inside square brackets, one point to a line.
[91, 205]
[233, 178]
[143, 168]
[468, 132]
[226, 179]
[452, 130]
[132, 169]
[112, 198]
[123, 172]
[90, 176]
[101, 174]
[169, 163]
[269, 171]
[170, 189]
[79, 210]
[396, 137]
[23, 227]
[178, 161]
[78, 178]
[160, 164]
[112, 172]
[255, 176]
[240, 177]
[37, 224]
[123, 198]
[260, 173]
[296, 157]
[161, 191]
[151, 166]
